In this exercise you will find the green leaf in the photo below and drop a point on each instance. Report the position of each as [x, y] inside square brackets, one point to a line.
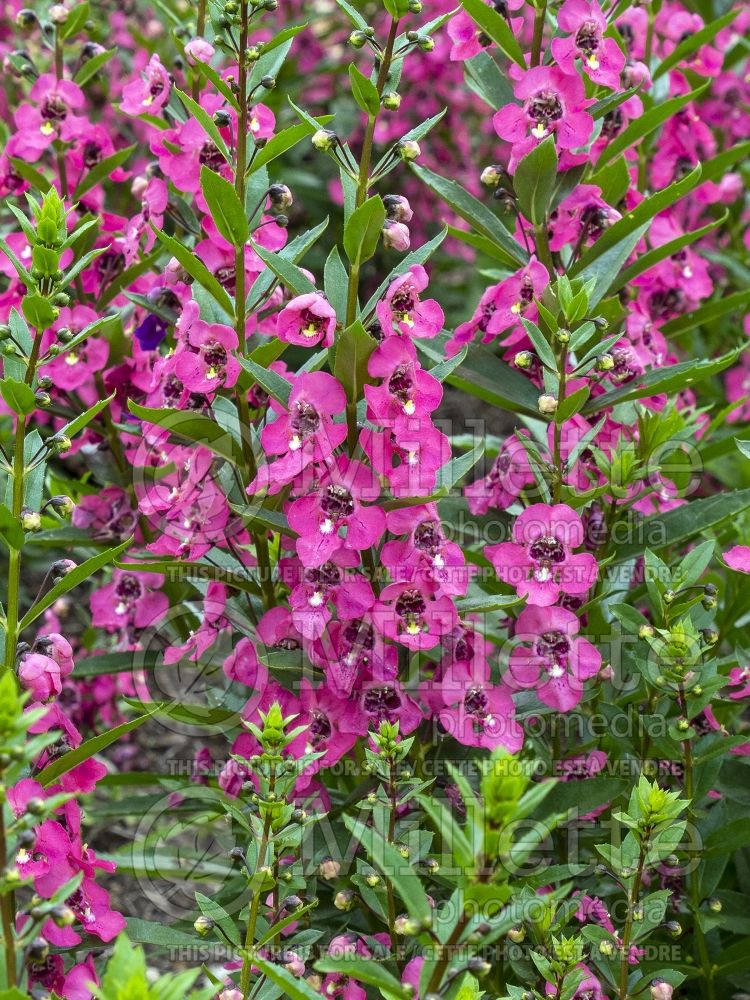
[672, 378]
[274, 384]
[287, 272]
[102, 170]
[364, 970]
[571, 405]
[692, 43]
[78, 575]
[113, 663]
[18, 396]
[193, 427]
[486, 377]
[11, 531]
[92, 66]
[76, 425]
[294, 251]
[677, 526]
[283, 141]
[74, 22]
[653, 257]
[364, 92]
[30, 173]
[534, 180]
[421, 130]
[472, 210]
[206, 121]
[336, 283]
[736, 302]
[647, 123]
[495, 27]
[455, 470]
[353, 350]
[399, 872]
[362, 231]
[225, 207]
[198, 270]
[354, 16]
[210, 908]
[88, 749]
[38, 311]
[291, 987]
[626, 231]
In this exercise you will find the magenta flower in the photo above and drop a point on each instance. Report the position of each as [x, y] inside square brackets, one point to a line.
[738, 558]
[410, 613]
[405, 390]
[554, 659]
[539, 562]
[509, 476]
[304, 432]
[581, 218]
[43, 670]
[319, 587]
[323, 712]
[426, 554]
[50, 117]
[149, 92]
[320, 517]
[478, 713]
[386, 701]
[403, 311]
[307, 320]
[602, 58]
[553, 103]
[411, 460]
[130, 601]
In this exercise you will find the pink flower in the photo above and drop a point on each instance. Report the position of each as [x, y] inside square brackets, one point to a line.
[410, 614]
[738, 558]
[406, 389]
[509, 476]
[426, 553]
[307, 320]
[304, 432]
[552, 104]
[479, 713]
[335, 507]
[553, 658]
[199, 50]
[48, 119]
[403, 310]
[149, 92]
[602, 58]
[539, 562]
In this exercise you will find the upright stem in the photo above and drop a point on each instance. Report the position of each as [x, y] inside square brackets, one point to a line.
[259, 537]
[536, 43]
[693, 880]
[7, 913]
[628, 929]
[252, 919]
[557, 433]
[363, 179]
[200, 27]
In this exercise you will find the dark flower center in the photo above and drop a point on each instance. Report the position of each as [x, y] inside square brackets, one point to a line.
[324, 577]
[475, 701]
[305, 419]
[410, 607]
[227, 276]
[128, 588]
[210, 155]
[381, 701]
[547, 549]
[544, 107]
[587, 37]
[54, 109]
[554, 646]
[427, 537]
[401, 383]
[320, 729]
[337, 502]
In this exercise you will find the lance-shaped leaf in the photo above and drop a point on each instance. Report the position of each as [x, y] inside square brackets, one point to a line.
[363, 229]
[193, 427]
[353, 350]
[495, 27]
[198, 270]
[534, 180]
[226, 210]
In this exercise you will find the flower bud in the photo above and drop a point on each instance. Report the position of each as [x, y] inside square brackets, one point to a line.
[281, 196]
[517, 934]
[415, 6]
[547, 404]
[59, 443]
[329, 869]
[344, 900]
[204, 925]
[391, 101]
[62, 505]
[396, 236]
[60, 569]
[63, 916]
[36, 806]
[404, 926]
[26, 19]
[605, 363]
[606, 948]
[230, 995]
[668, 597]
[426, 44]
[524, 359]
[563, 336]
[397, 208]
[409, 150]
[358, 39]
[661, 990]
[39, 950]
[323, 139]
[372, 879]
[673, 928]
[30, 520]
[646, 631]
[710, 636]
[715, 905]
[268, 82]
[58, 14]
[491, 176]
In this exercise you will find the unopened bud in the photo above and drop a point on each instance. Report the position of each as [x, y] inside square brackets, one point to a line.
[323, 139]
[329, 869]
[391, 101]
[661, 990]
[409, 150]
[710, 636]
[358, 39]
[204, 925]
[58, 14]
[491, 176]
[30, 520]
[517, 934]
[646, 631]
[605, 363]
[344, 900]
[280, 195]
[669, 597]
[547, 404]
[563, 336]
[524, 359]
[715, 905]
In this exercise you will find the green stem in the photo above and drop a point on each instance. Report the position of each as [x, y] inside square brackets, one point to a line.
[7, 913]
[693, 880]
[259, 537]
[536, 43]
[628, 929]
[200, 27]
[252, 919]
[363, 179]
[557, 433]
